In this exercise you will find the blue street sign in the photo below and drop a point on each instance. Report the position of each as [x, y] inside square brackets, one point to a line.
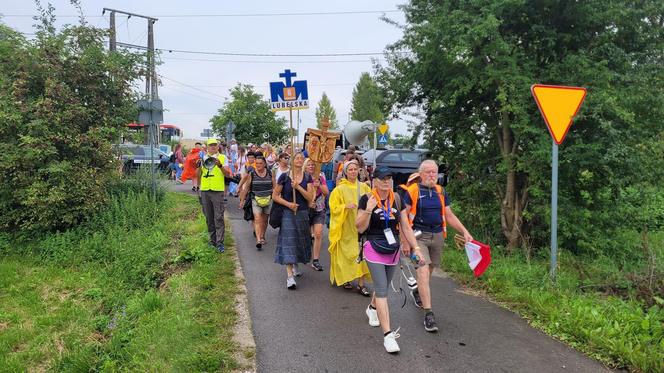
[382, 139]
[293, 95]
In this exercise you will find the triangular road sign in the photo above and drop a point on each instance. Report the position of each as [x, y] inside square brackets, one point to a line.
[558, 105]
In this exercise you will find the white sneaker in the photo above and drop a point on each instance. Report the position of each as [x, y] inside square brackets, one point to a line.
[296, 271]
[390, 342]
[290, 283]
[373, 317]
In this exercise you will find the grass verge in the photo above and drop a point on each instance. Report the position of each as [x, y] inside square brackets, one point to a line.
[138, 289]
[618, 332]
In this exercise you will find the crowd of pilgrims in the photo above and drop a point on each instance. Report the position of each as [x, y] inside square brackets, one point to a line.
[372, 230]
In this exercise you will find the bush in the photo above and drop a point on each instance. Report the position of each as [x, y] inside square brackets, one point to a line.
[63, 101]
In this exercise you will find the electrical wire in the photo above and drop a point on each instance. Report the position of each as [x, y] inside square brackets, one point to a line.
[235, 14]
[190, 86]
[266, 62]
[270, 54]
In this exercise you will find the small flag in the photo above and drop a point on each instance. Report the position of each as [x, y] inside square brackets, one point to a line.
[479, 256]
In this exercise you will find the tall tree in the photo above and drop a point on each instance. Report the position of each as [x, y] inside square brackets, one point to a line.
[469, 65]
[325, 109]
[367, 101]
[252, 117]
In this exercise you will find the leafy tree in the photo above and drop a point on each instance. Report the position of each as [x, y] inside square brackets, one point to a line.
[325, 109]
[64, 100]
[468, 67]
[367, 100]
[252, 117]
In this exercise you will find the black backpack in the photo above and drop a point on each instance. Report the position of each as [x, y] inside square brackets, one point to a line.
[172, 158]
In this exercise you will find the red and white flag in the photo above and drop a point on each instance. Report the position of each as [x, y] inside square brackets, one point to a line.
[479, 256]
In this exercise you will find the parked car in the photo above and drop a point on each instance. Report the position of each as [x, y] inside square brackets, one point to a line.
[402, 162]
[134, 156]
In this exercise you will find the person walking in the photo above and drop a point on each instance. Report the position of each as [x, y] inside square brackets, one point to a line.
[429, 212]
[383, 221]
[191, 165]
[179, 162]
[344, 246]
[259, 190]
[213, 169]
[282, 166]
[317, 211]
[294, 240]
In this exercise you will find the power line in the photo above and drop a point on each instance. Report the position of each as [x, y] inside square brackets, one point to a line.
[191, 86]
[266, 62]
[191, 94]
[233, 14]
[270, 54]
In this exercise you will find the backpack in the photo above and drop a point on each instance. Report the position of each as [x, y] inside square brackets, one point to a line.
[172, 158]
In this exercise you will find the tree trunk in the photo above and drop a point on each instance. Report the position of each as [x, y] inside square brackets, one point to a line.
[515, 194]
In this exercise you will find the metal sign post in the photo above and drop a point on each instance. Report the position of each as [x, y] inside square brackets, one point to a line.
[558, 105]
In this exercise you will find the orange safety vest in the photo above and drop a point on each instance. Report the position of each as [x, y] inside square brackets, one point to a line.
[414, 193]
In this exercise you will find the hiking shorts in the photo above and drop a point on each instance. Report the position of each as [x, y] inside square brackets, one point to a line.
[431, 245]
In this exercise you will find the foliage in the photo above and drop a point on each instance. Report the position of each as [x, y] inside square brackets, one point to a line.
[252, 117]
[621, 333]
[367, 101]
[325, 109]
[468, 67]
[111, 295]
[63, 101]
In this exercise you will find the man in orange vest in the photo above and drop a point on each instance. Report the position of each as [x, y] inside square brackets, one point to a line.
[429, 212]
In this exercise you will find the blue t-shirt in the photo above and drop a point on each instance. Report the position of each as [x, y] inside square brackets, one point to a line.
[428, 217]
[287, 190]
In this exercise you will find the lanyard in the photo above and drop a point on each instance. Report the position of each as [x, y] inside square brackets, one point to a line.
[387, 210]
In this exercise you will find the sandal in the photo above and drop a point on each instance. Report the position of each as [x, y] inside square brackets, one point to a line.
[348, 286]
[363, 290]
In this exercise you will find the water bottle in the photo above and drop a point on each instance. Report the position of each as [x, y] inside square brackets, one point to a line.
[416, 260]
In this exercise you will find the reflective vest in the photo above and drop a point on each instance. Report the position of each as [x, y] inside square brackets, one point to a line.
[213, 180]
[414, 193]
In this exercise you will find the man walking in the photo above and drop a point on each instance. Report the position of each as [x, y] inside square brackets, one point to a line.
[429, 212]
[213, 168]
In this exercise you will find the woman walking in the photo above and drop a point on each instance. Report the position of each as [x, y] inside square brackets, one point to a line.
[381, 219]
[317, 211]
[294, 242]
[344, 247]
[260, 192]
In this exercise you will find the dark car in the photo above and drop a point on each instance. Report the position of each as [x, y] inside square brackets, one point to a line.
[402, 162]
[135, 156]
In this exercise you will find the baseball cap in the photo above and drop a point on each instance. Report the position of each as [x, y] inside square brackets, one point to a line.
[212, 141]
[382, 172]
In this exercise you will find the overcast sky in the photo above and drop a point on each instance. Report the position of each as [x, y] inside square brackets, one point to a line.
[195, 85]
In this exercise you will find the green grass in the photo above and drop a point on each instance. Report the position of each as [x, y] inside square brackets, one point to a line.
[114, 295]
[621, 332]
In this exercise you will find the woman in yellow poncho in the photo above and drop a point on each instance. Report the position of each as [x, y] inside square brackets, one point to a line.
[344, 246]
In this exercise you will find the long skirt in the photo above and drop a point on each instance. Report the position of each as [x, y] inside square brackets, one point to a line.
[294, 240]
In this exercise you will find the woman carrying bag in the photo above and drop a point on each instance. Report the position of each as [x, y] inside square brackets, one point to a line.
[382, 218]
[260, 192]
[294, 240]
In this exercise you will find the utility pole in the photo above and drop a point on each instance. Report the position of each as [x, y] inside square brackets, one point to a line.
[111, 39]
[151, 108]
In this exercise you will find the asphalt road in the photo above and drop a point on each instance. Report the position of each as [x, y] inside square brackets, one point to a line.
[320, 328]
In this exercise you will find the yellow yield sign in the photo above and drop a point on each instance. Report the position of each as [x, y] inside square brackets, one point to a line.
[558, 105]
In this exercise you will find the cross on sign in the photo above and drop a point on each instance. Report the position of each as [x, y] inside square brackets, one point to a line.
[287, 74]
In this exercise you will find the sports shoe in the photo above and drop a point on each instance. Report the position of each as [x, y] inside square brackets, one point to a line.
[316, 265]
[373, 317]
[416, 298]
[296, 271]
[291, 284]
[430, 323]
[390, 342]
[220, 248]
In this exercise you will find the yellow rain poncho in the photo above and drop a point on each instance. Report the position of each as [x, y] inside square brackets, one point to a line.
[344, 246]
